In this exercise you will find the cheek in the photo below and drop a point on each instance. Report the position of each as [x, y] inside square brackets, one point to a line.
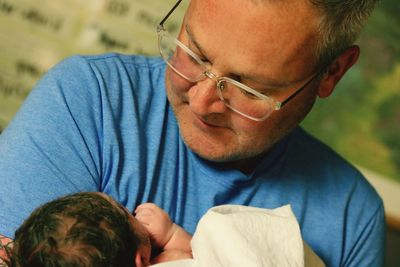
[246, 126]
[177, 83]
[257, 133]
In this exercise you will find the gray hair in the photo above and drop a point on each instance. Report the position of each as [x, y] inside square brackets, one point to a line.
[341, 23]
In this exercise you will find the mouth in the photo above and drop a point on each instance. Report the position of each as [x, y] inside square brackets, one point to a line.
[204, 124]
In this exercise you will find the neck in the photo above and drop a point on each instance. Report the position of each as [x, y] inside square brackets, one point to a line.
[246, 166]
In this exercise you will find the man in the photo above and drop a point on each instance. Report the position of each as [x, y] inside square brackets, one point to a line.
[240, 79]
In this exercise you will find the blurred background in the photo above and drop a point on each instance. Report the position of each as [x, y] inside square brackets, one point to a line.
[361, 120]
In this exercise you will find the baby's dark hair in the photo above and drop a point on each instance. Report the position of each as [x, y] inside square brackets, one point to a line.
[83, 229]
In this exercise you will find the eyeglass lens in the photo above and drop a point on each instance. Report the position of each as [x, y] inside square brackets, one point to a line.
[190, 68]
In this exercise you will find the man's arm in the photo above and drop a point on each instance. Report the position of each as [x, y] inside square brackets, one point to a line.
[369, 242]
[5, 249]
[51, 147]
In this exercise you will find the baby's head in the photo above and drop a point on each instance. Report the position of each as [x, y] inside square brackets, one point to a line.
[83, 229]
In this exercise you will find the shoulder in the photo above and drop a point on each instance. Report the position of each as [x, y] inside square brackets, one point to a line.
[314, 155]
[340, 200]
[303, 143]
[328, 172]
[106, 65]
[94, 80]
[121, 61]
[112, 59]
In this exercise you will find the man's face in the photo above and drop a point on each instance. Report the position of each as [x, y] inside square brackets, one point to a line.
[267, 46]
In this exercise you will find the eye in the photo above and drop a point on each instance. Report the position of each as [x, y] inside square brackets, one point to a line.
[195, 60]
[236, 78]
[203, 58]
[248, 94]
[199, 55]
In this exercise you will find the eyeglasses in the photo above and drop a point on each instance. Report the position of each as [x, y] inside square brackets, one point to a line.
[236, 96]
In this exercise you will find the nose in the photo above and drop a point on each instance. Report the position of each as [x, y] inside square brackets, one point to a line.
[204, 99]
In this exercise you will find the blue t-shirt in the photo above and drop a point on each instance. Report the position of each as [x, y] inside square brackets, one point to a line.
[103, 123]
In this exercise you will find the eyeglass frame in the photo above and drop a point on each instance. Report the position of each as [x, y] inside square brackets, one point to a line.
[219, 79]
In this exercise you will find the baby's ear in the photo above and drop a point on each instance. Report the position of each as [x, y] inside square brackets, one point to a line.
[138, 259]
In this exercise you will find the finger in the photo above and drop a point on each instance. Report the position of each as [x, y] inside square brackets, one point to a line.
[145, 215]
[148, 205]
[144, 218]
[144, 210]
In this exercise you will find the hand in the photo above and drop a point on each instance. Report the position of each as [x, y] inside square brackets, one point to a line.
[157, 223]
[6, 245]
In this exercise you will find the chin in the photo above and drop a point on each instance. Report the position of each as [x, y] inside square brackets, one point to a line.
[205, 149]
[220, 152]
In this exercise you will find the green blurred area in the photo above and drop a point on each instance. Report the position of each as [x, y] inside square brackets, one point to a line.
[361, 120]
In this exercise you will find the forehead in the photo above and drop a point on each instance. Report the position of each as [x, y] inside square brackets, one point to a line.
[276, 36]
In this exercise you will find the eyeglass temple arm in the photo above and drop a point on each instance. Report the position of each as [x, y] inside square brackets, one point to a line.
[170, 12]
[298, 91]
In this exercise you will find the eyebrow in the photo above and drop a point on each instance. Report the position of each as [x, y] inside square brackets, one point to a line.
[193, 40]
[267, 82]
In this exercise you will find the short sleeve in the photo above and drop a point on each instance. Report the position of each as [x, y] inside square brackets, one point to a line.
[53, 145]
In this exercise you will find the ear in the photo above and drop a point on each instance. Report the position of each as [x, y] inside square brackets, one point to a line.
[337, 69]
[138, 259]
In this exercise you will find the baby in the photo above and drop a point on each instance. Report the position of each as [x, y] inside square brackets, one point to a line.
[93, 230]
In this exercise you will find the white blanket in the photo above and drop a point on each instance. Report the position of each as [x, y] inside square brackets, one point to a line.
[237, 236]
